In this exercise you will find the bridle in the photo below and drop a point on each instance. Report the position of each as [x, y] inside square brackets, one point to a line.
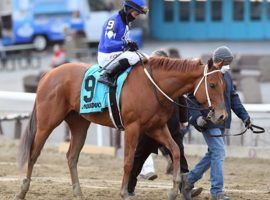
[205, 74]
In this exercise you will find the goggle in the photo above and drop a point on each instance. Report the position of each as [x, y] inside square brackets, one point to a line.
[145, 10]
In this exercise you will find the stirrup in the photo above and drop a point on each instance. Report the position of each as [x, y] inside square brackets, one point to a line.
[106, 80]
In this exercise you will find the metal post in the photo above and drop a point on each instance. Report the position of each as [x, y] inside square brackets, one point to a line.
[228, 140]
[66, 133]
[256, 140]
[3, 57]
[99, 136]
[1, 130]
[111, 137]
[18, 129]
[189, 136]
[242, 140]
[13, 61]
[242, 136]
[117, 137]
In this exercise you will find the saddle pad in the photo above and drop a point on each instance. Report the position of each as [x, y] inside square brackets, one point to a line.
[94, 95]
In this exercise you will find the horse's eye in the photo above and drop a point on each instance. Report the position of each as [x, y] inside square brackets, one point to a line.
[212, 85]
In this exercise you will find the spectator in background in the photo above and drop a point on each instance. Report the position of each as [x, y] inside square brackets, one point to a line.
[59, 56]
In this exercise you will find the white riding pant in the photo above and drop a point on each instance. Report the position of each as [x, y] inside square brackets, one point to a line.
[105, 58]
[148, 166]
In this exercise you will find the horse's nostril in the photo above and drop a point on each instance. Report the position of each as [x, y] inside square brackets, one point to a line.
[221, 117]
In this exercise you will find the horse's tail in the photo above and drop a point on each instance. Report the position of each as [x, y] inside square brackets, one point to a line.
[27, 140]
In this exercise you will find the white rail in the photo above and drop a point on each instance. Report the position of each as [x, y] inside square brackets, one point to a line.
[16, 47]
[17, 96]
[259, 110]
[30, 97]
[22, 96]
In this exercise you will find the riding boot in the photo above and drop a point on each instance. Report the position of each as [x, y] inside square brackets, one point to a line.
[108, 77]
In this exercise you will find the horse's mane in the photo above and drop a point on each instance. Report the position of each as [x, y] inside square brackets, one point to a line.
[182, 65]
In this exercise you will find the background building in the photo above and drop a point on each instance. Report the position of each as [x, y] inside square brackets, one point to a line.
[210, 19]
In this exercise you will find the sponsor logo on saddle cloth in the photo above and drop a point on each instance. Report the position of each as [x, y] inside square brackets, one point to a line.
[94, 95]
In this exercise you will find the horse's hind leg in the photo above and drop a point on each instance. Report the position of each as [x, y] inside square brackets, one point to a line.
[39, 141]
[163, 136]
[44, 123]
[78, 127]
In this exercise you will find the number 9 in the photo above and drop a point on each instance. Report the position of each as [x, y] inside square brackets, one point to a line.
[110, 25]
[90, 85]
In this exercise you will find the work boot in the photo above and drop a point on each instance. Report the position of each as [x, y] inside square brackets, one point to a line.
[186, 187]
[196, 191]
[131, 194]
[108, 77]
[220, 196]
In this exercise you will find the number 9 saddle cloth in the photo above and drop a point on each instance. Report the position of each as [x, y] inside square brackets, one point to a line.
[94, 95]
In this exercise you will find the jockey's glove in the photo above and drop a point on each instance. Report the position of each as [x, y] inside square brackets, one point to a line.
[201, 121]
[247, 122]
[132, 46]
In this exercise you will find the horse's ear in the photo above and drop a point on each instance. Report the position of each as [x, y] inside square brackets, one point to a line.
[210, 63]
[212, 66]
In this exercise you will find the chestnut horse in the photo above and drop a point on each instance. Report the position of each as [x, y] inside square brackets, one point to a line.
[144, 109]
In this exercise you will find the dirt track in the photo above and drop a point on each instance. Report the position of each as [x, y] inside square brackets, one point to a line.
[101, 177]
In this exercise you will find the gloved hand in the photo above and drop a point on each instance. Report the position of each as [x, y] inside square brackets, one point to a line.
[201, 121]
[132, 46]
[247, 122]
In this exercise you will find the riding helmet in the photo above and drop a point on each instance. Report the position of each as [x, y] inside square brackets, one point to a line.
[138, 5]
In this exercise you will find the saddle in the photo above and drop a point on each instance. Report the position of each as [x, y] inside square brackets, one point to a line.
[95, 96]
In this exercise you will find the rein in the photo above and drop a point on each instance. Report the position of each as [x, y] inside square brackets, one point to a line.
[169, 98]
[251, 127]
[161, 91]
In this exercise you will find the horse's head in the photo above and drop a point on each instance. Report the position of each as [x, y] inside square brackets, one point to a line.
[209, 92]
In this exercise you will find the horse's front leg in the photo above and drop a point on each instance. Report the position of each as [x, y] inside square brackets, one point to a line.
[131, 140]
[163, 136]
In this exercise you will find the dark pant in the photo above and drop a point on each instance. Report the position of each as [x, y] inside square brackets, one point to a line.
[178, 138]
[145, 147]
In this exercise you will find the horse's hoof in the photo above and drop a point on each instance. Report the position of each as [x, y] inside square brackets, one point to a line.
[129, 198]
[171, 195]
[17, 197]
[78, 198]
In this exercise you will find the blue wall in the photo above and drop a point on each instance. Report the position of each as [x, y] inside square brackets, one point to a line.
[229, 24]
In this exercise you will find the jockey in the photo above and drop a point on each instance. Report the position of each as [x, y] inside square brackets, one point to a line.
[116, 52]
